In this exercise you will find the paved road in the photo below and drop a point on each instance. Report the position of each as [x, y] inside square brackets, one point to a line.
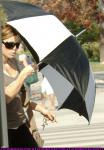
[72, 130]
[75, 136]
[99, 76]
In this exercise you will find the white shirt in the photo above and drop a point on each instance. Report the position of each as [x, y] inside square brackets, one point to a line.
[46, 87]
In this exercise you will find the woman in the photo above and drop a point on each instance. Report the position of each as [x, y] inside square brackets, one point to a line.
[18, 132]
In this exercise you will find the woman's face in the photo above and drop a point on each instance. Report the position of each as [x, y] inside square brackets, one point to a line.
[10, 47]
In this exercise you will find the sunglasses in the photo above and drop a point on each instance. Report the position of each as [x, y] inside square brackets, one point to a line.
[11, 45]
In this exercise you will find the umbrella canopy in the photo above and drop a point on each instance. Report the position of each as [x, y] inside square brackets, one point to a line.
[63, 61]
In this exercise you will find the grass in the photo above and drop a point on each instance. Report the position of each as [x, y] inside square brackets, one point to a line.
[97, 66]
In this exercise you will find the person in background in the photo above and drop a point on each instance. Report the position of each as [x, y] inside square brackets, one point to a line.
[18, 131]
[48, 94]
[23, 59]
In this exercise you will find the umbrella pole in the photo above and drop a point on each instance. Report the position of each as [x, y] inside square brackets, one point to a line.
[3, 117]
[80, 33]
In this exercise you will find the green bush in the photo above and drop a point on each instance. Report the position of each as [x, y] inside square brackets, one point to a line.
[90, 35]
[88, 40]
[74, 27]
[3, 16]
[92, 50]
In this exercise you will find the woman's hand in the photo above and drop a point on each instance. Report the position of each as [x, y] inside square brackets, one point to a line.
[27, 71]
[48, 114]
[43, 111]
[23, 59]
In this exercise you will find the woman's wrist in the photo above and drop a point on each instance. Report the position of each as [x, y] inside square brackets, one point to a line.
[40, 108]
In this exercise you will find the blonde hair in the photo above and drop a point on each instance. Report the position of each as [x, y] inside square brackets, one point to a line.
[8, 31]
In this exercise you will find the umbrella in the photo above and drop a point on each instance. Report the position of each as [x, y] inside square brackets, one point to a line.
[61, 58]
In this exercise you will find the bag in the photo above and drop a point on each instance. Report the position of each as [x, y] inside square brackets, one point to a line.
[31, 124]
[31, 79]
[38, 138]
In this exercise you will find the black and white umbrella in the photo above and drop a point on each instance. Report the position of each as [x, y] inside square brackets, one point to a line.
[63, 61]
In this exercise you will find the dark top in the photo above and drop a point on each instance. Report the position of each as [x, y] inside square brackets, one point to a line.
[15, 112]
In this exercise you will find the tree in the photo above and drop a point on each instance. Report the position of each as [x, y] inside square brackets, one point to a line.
[80, 11]
[101, 20]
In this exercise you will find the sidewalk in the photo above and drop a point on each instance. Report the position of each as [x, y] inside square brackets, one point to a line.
[99, 79]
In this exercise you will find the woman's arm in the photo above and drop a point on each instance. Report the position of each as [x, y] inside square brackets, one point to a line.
[40, 108]
[12, 89]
